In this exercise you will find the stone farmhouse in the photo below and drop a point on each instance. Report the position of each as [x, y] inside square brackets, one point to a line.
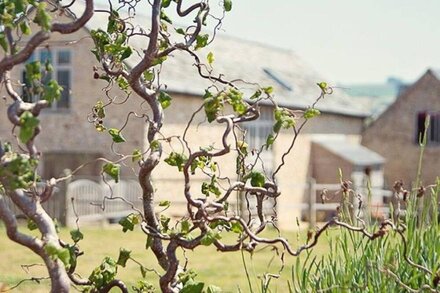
[328, 142]
[396, 132]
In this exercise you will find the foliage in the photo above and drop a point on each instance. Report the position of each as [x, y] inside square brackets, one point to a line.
[227, 106]
[385, 264]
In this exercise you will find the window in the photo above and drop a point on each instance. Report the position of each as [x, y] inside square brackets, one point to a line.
[256, 135]
[60, 59]
[433, 132]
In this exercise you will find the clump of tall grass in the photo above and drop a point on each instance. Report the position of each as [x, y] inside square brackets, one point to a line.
[404, 256]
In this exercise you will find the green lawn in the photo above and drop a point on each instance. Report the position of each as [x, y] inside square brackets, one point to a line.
[225, 270]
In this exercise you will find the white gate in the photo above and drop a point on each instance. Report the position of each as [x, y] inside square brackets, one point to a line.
[102, 201]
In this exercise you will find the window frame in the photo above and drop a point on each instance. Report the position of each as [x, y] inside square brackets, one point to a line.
[256, 135]
[36, 56]
[433, 132]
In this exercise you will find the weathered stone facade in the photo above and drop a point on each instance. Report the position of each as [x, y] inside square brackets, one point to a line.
[69, 132]
[394, 133]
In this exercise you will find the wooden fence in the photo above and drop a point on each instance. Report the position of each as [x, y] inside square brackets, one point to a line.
[375, 200]
[94, 200]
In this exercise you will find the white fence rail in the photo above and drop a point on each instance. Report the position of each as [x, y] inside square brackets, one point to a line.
[94, 200]
[103, 200]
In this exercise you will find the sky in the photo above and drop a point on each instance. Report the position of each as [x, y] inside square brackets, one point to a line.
[347, 41]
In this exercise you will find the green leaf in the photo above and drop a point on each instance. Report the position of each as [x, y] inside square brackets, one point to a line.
[113, 170]
[42, 18]
[148, 75]
[210, 58]
[176, 160]
[213, 105]
[25, 28]
[311, 113]
[242, 146]
[227, 4]
[165, 222]
[208, 188]
[149, 242]
[116, 135]
[52, 91]
[201, 41]
[143, 271]
[114, 23]
[268, 90]
[164, 99]
[213, 289]
[322, 85]
[164, 17]
[137, 155]
[28, 124]
[3, 42]
[166, 3]
[64, 256]
[129, 222]
[76, 235]
[165, 203]
[236, 227]
[180, 31]
[126, 53]
[158, 61]
[48, 66]
[31, 225]
[235, 98]
[99, 109]
[60, 253]
[184, 227]
[193, 287]
[124, 256]
[155, 145]
[270, 140]
[283, 119]
[33, 71]
[256, 95]
[257, 179]
[210, 237]
[123, 84]
[104, 274]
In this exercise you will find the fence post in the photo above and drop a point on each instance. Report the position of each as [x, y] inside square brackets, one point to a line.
[65, 205]
[312, 203]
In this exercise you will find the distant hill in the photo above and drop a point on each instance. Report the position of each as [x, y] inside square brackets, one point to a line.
[375, 98]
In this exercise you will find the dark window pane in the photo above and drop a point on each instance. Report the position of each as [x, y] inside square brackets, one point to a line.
[63, 77]
[45, 55]
[64, 57]
[433, 131]
[27, 97]
[420, 126]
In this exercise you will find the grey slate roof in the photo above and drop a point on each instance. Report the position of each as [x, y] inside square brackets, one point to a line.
[250, 61]
[356, 154]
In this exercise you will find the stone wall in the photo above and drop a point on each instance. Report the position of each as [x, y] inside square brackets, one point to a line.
[393, 134]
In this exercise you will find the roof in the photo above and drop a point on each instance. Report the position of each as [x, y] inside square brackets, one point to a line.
[435, 72]
[356, 154]
[294, 82]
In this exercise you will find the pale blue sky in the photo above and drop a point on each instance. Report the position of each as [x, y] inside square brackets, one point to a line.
[347, 40]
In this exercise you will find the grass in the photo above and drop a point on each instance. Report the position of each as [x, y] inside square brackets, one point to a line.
[225, 270]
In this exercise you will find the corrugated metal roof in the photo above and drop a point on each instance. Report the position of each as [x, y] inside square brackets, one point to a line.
[356, 154]
[246, 60]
